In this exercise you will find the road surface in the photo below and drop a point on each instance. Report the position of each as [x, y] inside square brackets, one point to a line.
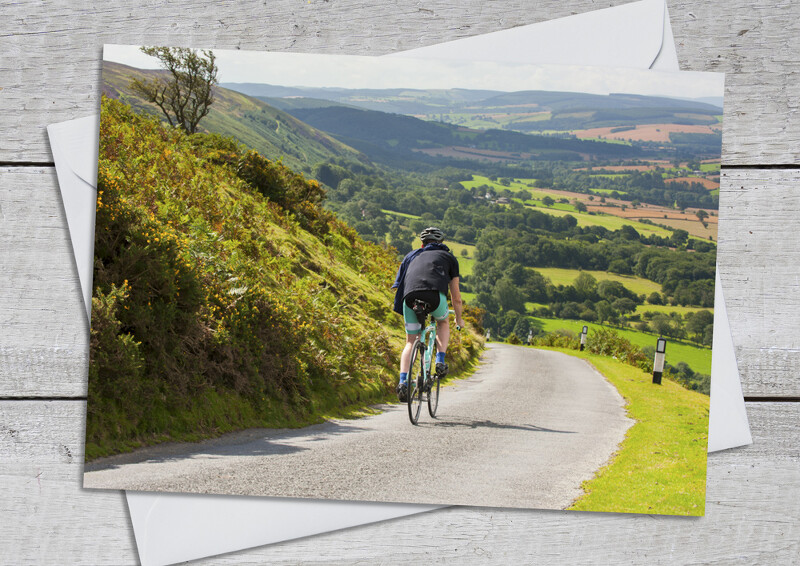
[525, 430]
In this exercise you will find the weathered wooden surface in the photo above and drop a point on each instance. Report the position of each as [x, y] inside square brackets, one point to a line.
[56, 46]
[751, 514]
[49, 72]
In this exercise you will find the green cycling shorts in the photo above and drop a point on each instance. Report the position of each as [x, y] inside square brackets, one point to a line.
[410, 317]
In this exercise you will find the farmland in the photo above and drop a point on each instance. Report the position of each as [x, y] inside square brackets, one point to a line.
[646, 132]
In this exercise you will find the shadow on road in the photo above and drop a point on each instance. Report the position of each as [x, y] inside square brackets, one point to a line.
[455, 422]
[253, 442]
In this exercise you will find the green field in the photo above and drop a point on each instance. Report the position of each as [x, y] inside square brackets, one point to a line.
[638, 285]
[606, 221]
[706, 167]
[608, 140]
[400, 214]
[485, 120]
[515, 186]
[465, 264]
[699, 359]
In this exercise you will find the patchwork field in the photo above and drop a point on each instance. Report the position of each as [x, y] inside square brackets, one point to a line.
[621, 168]
[609, 214]
[647, 132]
[710, 184]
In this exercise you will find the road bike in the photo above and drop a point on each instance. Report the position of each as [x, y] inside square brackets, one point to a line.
[422, 381]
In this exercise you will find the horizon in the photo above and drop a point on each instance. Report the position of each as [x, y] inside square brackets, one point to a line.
[352, 72]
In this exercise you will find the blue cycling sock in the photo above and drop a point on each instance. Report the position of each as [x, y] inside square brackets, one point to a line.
[439, 357]
[403, 376]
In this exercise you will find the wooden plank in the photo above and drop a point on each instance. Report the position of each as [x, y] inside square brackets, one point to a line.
[44, 345]
[45, 339]
[50, 67]
[756, 45]
[751, 514]
[759, 259]
[46, 516]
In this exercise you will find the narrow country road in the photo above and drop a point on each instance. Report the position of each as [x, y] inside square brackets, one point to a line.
[524, 431]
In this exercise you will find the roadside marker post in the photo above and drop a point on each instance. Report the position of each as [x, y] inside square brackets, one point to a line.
[530, 336]
[658, 362]
[488, 335]
[584, 332]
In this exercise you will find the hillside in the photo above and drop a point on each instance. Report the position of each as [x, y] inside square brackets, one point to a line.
[225, 296]
[387, 137]
[252, 122]
[392, 100]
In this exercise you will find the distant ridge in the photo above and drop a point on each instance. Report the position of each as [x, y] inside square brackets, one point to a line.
[253, 122]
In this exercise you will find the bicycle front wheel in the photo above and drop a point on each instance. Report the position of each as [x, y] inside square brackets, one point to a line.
[416, 382]
[433, 394]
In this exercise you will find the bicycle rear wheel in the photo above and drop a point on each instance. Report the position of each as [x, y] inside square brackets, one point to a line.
[416, 380]
[433, 394]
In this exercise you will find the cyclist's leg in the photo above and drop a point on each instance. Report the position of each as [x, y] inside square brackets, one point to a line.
[442, 318]
[413, 328]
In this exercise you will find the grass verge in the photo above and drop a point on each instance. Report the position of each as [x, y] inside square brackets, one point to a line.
[698, 358]
[660, 467]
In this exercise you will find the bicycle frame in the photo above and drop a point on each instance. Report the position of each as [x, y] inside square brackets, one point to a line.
[428, 339]
[425, 382]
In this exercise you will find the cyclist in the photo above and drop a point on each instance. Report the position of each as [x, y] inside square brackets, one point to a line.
[427, 274]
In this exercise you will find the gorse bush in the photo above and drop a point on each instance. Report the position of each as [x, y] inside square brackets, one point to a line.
[557, 339]
[607, 342]
[225, 296]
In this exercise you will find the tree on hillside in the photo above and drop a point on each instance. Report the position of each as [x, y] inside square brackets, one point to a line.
[185, 94]
[585, 284]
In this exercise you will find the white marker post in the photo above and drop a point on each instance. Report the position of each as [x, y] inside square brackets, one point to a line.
[530, 336]
[658, 362]
[488, 335]
[584, 332]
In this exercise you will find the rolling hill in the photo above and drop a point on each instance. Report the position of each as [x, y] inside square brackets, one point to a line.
[385, 136]
[253, 122]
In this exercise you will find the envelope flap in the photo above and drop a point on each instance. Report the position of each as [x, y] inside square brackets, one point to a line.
[78, 140]
[632, 36]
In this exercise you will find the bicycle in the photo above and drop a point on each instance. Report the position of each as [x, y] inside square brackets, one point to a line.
[423, 381]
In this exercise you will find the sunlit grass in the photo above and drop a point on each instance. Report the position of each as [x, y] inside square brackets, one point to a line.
[660, 467]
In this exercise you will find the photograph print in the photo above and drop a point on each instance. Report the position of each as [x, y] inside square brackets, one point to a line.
[402, 280]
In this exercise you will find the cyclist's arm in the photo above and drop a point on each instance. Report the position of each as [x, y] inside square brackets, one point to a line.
[455, 296]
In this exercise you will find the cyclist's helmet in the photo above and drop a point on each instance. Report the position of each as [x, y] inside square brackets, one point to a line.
[431, 234]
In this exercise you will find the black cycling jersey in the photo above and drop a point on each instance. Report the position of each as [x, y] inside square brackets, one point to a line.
[431, 270]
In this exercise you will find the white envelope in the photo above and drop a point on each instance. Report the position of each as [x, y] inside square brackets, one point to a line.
[171, 528]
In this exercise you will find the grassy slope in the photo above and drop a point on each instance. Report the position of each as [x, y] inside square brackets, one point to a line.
[699, 359]
[214, 309]
[249, 120]
[660, 467]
